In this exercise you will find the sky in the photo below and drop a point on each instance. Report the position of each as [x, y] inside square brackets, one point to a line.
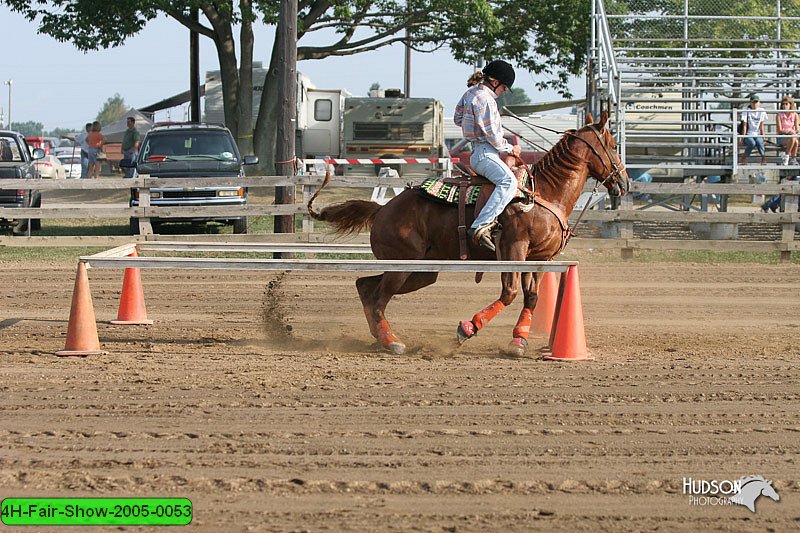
[55, 84]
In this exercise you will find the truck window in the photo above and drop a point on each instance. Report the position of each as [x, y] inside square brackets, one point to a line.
[392, 131]
[323, 110]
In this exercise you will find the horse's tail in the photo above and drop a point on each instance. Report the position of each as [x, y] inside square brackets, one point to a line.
[352, 216]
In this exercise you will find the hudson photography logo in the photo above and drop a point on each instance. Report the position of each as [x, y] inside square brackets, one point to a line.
[743, 491]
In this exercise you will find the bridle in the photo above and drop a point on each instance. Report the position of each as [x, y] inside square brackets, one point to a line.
[615, 168]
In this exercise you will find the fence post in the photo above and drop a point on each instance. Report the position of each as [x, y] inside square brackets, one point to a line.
[789, 206]
[145, 226]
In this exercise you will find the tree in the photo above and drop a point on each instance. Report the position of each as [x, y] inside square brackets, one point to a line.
[515, 97]
[113, 110]
[28, 129]
[60, 132]
[541, 36]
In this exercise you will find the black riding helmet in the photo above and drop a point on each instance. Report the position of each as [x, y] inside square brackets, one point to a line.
[501, 71]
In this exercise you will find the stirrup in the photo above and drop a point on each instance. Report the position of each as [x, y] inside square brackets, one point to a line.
[483, 236]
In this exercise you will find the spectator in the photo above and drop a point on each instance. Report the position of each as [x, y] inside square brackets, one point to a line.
[130, 145]
[787, 124]
[80, 140]
[774, 203]
[5, 151]
[754, 118]
[642, 176]
[95, 141]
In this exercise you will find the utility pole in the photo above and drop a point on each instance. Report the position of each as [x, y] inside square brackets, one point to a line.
[408, 67]
[194, 69]
[9, 82]
[287, 110]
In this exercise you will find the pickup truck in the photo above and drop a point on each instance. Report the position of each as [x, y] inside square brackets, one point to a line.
[16, 162]
[189, 150]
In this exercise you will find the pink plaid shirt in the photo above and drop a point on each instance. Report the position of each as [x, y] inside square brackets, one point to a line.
[479, 118]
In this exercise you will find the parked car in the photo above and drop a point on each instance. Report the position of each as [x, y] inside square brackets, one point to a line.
[188, 151]
[72, 164]
[17, 162]
[48, 144]
[67, 147]
[50, 167]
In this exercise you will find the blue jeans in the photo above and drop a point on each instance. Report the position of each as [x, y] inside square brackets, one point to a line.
[84, 164]
[129, 154]
[753, 142]
[485, 160]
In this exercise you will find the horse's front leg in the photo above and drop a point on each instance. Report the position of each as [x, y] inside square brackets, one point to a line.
[511, 282]
[530, 293]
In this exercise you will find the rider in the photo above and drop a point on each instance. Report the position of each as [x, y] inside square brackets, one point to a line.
[479, 119]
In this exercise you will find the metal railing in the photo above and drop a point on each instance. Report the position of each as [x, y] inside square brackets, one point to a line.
[692, 82]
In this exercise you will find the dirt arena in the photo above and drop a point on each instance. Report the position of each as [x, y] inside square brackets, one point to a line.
[261, 398]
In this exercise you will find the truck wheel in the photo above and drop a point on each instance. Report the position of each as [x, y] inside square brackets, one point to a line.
[19, 227]
[36, 223]
[240, 226]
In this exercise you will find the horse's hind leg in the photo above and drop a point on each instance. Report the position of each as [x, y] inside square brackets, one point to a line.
[367, 288]
[530, 291]
[376, 291]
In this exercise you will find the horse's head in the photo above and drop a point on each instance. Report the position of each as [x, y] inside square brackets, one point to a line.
[606, 166]
[769, 491]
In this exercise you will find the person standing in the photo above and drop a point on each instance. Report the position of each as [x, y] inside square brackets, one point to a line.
[80, 140]
[95, 141]
[130, 145]
[754, 117]
[479, 119]
[787, 123]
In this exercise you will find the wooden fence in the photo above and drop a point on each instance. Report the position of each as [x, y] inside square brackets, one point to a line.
[617, 225]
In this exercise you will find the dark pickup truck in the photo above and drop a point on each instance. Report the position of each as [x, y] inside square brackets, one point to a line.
[16, 162]
[191, 151]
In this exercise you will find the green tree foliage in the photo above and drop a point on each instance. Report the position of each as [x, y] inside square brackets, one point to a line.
[28, 129]
[113, 110]
[60, 132]
[516, 97]
[545, 37]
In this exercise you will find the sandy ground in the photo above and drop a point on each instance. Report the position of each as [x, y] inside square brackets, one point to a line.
[261, 398]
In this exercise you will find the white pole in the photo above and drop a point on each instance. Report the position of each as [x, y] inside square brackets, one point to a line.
[9, 82]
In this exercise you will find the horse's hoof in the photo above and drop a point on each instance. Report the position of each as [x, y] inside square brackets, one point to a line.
[396, 347]
[466, 330]
[517, 347]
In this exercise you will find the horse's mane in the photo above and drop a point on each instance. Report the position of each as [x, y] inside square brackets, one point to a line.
[559, 161]
[748, 479]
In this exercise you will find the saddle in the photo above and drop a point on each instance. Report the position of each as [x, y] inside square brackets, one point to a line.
[470, 189]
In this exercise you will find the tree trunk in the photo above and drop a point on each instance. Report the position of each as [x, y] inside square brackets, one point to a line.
[244, 137]
[265, 134]
[226, 55]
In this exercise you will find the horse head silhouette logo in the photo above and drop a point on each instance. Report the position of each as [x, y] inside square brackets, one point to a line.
[751, 488]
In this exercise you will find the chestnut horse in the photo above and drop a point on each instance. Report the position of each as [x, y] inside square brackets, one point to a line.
[414, 227]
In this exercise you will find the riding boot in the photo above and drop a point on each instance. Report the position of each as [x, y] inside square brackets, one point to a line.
[482, 235]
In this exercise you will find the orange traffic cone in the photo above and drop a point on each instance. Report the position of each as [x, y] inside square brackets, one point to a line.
[569, 337]
[131, 303]
[82, 330]
[543, 313]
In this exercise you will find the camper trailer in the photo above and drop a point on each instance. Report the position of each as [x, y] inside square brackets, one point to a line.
[331, 123]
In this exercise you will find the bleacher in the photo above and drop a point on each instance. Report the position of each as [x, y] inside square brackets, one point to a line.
[675, 83]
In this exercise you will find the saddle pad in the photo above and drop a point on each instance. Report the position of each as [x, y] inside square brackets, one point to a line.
[448, 192]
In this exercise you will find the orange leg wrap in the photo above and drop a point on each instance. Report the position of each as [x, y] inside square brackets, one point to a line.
[372, 327]
[523, 326]
[385, 334]
[485, 316]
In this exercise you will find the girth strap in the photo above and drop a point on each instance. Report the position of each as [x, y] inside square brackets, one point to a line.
[566, 231]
